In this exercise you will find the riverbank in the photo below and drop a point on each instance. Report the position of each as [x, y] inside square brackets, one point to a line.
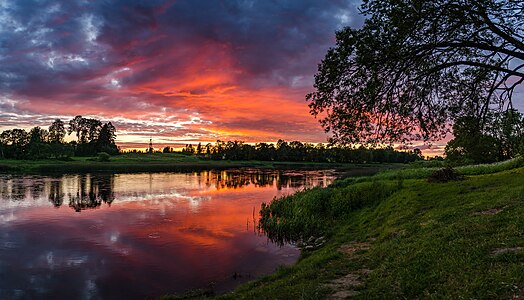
[169, 162]
[396, 235]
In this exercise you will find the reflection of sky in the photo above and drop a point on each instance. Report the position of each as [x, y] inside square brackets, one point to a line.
[168, 234]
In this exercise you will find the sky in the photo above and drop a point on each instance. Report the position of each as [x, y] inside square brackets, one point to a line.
[177, 71]
[182, 71]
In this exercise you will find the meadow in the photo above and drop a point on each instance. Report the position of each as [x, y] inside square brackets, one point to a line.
[396, 235]
[162, 162]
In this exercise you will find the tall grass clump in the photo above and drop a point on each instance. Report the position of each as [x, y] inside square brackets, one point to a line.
[481, 169]
[315, 212]
[418, 172]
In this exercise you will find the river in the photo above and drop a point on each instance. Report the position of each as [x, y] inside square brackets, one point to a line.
[136, 236]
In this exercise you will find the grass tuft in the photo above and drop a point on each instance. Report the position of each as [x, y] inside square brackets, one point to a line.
[313, 212]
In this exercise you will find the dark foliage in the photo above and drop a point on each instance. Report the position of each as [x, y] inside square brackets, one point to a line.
[501, 138]
[314, 212]
[445, 175]
[416, 66]
[300, 152]
[93, 137]
[103, 157]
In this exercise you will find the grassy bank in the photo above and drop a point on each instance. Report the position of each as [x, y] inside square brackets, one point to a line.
[165, 162]
[396, 236]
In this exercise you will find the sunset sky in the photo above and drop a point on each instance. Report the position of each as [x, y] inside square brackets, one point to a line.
[180, 71]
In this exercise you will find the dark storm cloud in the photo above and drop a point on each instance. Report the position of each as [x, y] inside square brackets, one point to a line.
[272, 42]
[242, 66]
[47, 51]
[49, 47]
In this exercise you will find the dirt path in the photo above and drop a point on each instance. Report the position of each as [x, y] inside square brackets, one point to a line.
[345, 286]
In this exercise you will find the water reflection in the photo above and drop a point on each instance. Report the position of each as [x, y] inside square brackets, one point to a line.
[88, 191]
[132, 236]
[92, 192]
[81, 192]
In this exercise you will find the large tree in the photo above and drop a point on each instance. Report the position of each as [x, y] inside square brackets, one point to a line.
[416, 66]
[106, 139]
[500, 139]
[87, 130]
[57, 131]
[14, 143]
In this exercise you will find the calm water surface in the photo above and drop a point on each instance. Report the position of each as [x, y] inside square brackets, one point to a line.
[139, 236]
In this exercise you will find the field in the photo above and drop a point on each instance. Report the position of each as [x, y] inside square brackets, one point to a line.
[396, 235]
[160, 162]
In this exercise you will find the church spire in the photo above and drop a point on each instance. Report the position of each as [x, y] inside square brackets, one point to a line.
[150, 150]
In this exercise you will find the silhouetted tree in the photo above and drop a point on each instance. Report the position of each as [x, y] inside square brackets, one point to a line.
[415, 66]
[470, 144]
[57, 131]
[87, 130]
[93, 136]
[14, 143]
[106, 139]
[199, 149]
[38, 146]
[508, 130]
[167, 149]
[297, 151]
[501, 137]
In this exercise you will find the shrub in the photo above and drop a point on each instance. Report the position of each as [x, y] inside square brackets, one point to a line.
[445, 175]
[103, 156]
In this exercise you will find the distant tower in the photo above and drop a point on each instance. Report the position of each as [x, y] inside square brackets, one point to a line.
[150, 145]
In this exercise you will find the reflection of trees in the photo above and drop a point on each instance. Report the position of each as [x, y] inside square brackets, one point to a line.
[83, 191]
[88, 191]
[37, 189]
[18, 189]
[105, 186]
[92, 191]
[4, 188]
[56, 196]
[234, 179]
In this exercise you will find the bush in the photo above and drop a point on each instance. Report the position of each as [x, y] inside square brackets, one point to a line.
[445, 175]
[103, 156]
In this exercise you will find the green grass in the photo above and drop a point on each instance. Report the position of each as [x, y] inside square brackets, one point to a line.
[163, 162]
[426, 240]
[424, 172]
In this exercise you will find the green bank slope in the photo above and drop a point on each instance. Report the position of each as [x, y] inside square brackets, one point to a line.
[389, 236]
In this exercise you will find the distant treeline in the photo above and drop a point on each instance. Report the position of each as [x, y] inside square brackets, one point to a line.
[93, 137]
[298, 152]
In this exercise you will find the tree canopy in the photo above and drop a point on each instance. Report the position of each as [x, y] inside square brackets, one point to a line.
[416, 66]
[93, 137]
[501, 138]
[297, 151]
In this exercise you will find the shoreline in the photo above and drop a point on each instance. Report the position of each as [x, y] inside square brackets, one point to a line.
[383, 233]
[189, 164]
